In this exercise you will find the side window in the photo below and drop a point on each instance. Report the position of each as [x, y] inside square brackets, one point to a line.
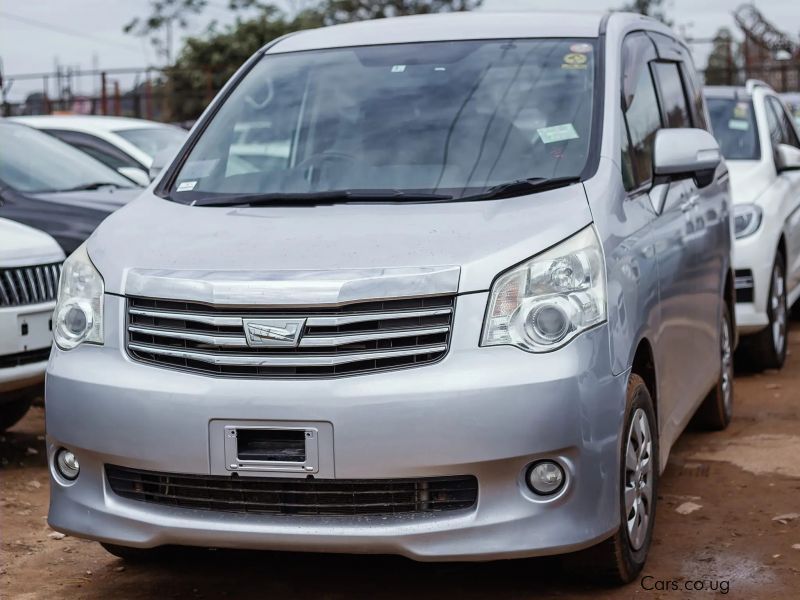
[788, 133]
[774, 125]
[639, 106]
[673, 97]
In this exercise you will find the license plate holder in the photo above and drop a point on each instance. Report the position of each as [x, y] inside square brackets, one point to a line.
[261, 449]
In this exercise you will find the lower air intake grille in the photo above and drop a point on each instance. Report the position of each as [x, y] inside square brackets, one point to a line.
[284, 496]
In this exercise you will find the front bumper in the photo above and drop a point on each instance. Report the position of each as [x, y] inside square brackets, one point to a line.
[487, 412]
[754, 255]
[24, 335]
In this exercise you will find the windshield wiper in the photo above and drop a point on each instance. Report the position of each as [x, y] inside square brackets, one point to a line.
[521, 187]
[315, 198]
[95, 185]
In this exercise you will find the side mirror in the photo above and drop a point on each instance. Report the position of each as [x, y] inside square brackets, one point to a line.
[686, 152]
[787, 158]
[160, 160]
[137, 176]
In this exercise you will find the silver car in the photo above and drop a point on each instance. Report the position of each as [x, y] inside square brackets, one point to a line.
[456, 302]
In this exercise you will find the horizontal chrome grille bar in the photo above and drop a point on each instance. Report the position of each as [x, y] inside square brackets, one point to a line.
[328, 341]
[258, 360]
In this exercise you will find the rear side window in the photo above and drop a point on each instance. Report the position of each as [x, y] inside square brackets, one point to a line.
[640, 107]
[673, 98]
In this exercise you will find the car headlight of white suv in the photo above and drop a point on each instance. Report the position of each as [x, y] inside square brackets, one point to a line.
[746, 219]
[541, 304]
[79, 310]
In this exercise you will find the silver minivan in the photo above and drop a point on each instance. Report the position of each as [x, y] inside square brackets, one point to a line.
[448, 287]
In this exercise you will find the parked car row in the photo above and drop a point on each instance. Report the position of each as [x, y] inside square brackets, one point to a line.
[448, 287]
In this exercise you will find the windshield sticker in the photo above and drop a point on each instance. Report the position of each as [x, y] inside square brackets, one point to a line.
[581, 48]
[557, 133]
[186, 186]
[738, 124]
[574, 60]
[398, 68]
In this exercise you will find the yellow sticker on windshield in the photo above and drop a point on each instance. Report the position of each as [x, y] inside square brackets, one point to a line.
[574, 60]
[741, 110]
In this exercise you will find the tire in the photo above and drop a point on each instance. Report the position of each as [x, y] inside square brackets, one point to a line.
[716, 411]
[14, 406]
[135, 555]
[767, 348]
[620, 558]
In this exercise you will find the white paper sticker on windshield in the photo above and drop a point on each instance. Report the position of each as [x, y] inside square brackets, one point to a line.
[557, 133]
[738, 124]
[398, 68]
[186, 186]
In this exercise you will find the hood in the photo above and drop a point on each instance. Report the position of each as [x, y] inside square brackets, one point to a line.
[749, 179]
[156, 238]
[108, 199]
[21, 245]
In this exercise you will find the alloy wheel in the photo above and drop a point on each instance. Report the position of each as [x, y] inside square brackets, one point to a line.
[638, 478]
[727, 367]
[777, 303]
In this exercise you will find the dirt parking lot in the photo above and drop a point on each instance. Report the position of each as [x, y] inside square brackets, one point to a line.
[728, 520]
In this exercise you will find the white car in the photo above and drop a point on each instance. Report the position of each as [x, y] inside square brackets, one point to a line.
[126, 145]
[30, 265]
[760, 143]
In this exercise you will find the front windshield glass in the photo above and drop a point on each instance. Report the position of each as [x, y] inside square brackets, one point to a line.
[734, 126]
[450, 118]
[152, 140]
[32, 161]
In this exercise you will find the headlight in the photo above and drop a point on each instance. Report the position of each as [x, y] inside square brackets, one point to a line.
[79, 310]
[746, 219]
[546, 301]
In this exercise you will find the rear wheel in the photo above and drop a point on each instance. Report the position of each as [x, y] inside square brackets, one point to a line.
[717, 409]
[14, 406]
[767, 348]
[620, 558]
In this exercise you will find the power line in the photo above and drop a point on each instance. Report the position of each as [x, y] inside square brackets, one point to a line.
[66, 31]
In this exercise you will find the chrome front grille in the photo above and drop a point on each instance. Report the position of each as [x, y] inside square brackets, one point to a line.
[355, 338]
[29, 285]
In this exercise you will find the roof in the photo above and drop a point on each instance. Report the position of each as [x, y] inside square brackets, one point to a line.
[87, 122]
[445, 27]
[726, 91]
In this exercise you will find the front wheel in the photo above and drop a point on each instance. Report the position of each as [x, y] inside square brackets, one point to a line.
[767, 348]
[620, 558]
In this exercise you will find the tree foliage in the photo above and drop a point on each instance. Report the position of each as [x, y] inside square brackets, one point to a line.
[651, 8]
[721, 67]
[206, 62]
[164, 15]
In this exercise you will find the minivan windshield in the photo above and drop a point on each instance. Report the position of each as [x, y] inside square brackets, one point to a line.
[424, 120]
[734, 126]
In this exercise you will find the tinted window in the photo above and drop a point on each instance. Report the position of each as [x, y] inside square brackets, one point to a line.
[734, 126]
[455, 118]
[673, 98]
[640, 105]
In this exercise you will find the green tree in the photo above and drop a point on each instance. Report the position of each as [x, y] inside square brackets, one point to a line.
[651, 8]
[343, 11]
[164, 15]
[721, 66]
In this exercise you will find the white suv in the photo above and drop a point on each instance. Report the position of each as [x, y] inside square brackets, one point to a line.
[30, 264]
[760, 142]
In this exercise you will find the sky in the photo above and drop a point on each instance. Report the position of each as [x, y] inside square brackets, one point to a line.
[37, 34]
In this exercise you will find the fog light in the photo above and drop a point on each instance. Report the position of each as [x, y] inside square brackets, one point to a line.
[545, 477]
[67, 464]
